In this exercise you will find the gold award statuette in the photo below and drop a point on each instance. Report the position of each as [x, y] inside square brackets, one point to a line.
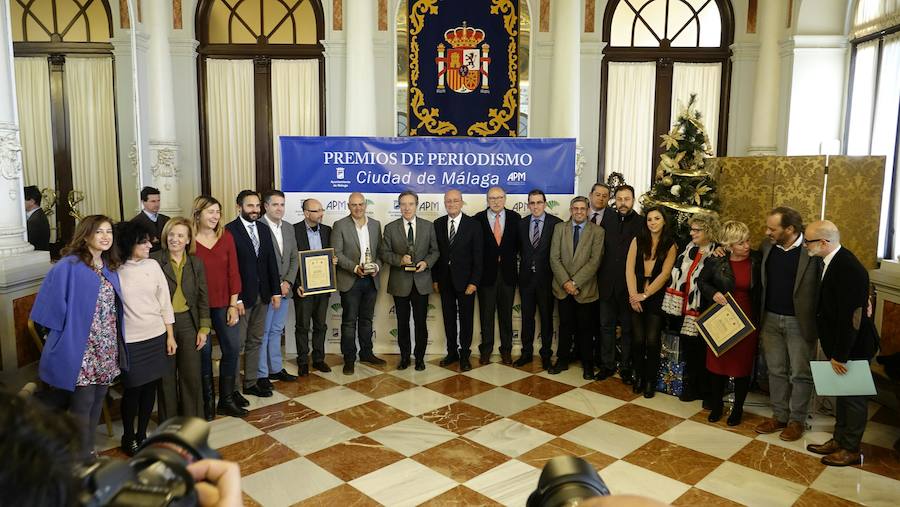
[369, 267]
[410, 268]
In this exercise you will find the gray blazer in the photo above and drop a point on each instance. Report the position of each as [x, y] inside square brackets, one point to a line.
[394, 247]
[345, 242]
[287, 264]
[579, 266]
[806, 290]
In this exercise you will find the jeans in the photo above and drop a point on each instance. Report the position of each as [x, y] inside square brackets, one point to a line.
[229, 342]
[270, 349]
[787, 356]
[356, 320]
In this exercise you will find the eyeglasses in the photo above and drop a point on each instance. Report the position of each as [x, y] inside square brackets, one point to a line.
[807, 241]
[695, 229]
[315, 210]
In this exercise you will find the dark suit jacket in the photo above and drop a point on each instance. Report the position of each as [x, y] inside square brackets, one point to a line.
[845, 331]
[156, 227]
[193, 285]
[619, 233]
[806, 286]
[39, 230]
[499, 260]
[259, 274]
[303, 243]
[536, 258]
[460, 264]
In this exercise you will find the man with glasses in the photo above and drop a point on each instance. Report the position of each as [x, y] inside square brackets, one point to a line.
[790, 279]
[311, 234]
[535, 233]
[357, 239]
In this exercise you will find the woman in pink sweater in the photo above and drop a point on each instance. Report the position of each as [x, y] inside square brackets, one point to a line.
[149, 335]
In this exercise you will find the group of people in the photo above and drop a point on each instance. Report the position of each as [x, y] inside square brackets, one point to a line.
[119, 301]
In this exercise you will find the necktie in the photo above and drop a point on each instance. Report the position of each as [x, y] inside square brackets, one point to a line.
[314, 229]
[452, 230]
[595, 217]
[409, 234]
[254, 238]
[498, 233]
[536, 233]
[577, 235]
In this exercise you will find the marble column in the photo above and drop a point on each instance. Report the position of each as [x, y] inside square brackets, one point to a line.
[565, 75]
[164, 149]
[359, 27]
[764, 129]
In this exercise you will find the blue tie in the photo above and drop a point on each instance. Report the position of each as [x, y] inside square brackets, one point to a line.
[575, 238]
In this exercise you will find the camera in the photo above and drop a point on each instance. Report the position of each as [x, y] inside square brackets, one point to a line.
[157, 475]
[566, 481]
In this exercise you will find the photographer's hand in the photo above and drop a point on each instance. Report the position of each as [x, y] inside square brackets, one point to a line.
[218, 483]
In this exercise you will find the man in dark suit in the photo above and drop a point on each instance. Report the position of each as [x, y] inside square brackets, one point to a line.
[535, 234]
[311, 234]
[457, 275]
[500, 235]
[260, 283]
[150, 215]
[846, 333]
[790, 281]
[356, 241]
[621, 225]
[410, 248]
[36, 223]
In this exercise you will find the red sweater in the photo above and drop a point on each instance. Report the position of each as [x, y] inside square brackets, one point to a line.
[222, 276]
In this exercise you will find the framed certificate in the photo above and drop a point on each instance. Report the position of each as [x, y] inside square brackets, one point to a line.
[725, 326]
[317, 273]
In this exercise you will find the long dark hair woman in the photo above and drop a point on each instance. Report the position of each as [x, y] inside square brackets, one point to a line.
[180, 392]
[80, 302]
[647, 269]
[149, 332]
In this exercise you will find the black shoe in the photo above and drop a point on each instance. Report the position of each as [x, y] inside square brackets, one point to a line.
[637, 385]
[420, 364]
[239, 399]
[404, 363]
[687, 395]
[484, 359]
[227, 406]
[546, 363]
[558, 368]
[649, 390]
[264, 383]
[283, 375]
[449, 359]
[627, 376]
[734, 418]
[303, 370]
[349, 369]
[228, 399]
[588, 374]
[506, 358]
[129, 445]
[523, 360]
[464, 364]
[321, 366]
[257, 390]
[372, 360]
[715, 413]
[603, 374]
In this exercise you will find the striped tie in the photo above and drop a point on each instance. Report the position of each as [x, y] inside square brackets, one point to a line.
[254, 239]
[452, 230]
[536, 233]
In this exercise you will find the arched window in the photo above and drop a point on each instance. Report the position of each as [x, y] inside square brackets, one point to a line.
[65, 84]
[658, 53]
[874, 103]
[262, 75]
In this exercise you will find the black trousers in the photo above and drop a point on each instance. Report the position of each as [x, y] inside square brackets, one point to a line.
[356, 320]
[537, 299]
[696, 376]
[462, 306]
[419, 305]
[310, 308]
[575, 321]
[614, 310]
[497, 298]
[645, 344]
[850, 417]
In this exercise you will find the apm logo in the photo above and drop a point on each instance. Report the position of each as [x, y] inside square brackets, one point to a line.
[393, 310]
[517, 177]
[520, 207]
[336, 206]
[429, 206]
[394, 332]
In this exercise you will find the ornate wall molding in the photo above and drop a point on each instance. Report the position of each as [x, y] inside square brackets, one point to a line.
[10, 154]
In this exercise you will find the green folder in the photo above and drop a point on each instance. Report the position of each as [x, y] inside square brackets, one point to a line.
[856, 382]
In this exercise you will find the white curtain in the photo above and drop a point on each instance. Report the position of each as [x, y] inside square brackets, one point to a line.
[629, 122]
[232, 148]
[885, 129]
[295, 103]
[705, 80]
[862, 100]
[92, 134]
[33, 98]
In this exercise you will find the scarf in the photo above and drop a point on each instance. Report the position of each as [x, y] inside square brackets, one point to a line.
[682, 297]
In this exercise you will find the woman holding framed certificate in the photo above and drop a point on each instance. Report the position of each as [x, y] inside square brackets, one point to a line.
[738, 273]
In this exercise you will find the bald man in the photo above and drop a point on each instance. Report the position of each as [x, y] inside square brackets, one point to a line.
[846, 333]
[311, 234]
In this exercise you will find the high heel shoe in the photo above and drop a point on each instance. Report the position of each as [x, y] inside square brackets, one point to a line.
[129, 445]
[716, 413]
[737, 413]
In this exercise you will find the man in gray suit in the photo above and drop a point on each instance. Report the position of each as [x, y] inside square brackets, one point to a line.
[286, 256]
[410, 248]
[356, 240]
[790, 282]
[575, 254]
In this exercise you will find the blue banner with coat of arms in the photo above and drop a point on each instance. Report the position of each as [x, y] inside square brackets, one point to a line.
[463, 68]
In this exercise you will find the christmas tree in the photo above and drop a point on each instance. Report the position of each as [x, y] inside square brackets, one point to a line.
[683, 184]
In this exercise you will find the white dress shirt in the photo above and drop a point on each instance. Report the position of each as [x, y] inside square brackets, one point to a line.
[276, 231]
[827, 259]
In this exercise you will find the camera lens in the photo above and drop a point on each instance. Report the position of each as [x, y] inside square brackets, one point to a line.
[566, 479]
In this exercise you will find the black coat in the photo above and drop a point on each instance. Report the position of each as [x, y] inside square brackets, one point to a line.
[845, 330]
[460, 264]
[259, 274]
[619, 233]
[499, 260]
[538, 257]
[156, 227]
[717, 276]
[38, 230]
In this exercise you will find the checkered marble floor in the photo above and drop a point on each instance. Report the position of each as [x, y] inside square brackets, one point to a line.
[440, 437]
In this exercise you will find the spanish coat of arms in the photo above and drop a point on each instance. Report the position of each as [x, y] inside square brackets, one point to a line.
[464, 66]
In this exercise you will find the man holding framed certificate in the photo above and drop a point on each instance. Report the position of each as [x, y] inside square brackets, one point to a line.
[312, 235]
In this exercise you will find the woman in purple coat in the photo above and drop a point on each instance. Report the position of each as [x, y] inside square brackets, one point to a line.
[80, 303]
